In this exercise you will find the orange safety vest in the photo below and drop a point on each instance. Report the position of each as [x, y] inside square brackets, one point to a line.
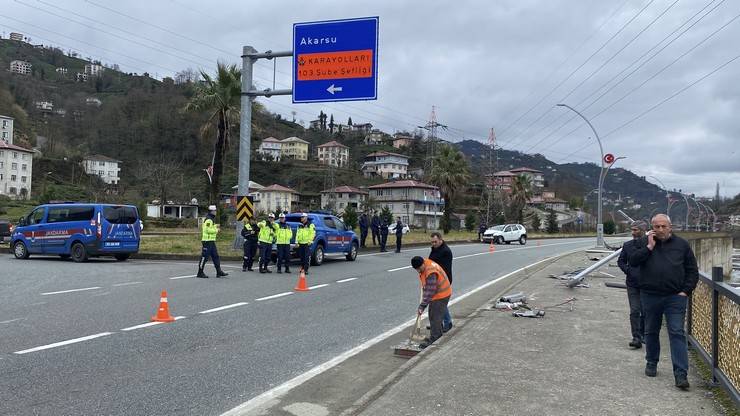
[443, 284]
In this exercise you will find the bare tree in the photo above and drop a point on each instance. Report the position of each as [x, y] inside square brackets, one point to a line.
[161, 176]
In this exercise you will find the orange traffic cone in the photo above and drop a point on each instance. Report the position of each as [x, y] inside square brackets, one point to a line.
[301, 285]
[491, 248]
[163, 313]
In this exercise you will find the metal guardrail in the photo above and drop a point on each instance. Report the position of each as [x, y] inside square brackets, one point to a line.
[713, 329]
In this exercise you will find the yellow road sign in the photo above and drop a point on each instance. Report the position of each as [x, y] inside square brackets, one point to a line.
[244, 208]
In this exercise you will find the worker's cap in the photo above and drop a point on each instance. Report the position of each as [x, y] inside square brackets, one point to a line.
[642, 225]
[282, 215]
[211, 207]
[304, 215]
[271, 215]
[417, 261]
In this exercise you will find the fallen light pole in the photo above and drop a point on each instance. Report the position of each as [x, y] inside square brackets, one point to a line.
[578, 279]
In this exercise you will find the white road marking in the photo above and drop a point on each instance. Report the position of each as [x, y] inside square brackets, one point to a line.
[279, 295]
[220, 308]
[487, 252]
[280, 390]
[127, 283]
[318, 286]
[148, 324]
[182, 277]
[347, 280]
[10, 320]
[62, 343]
[101, 294]
[71, 290]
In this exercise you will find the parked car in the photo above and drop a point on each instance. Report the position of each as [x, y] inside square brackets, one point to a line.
[500, 234]
[392, 229]
[5, 229]
[333, 237]
[78, 231]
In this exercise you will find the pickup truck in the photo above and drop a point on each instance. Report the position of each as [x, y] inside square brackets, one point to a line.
[333, 237]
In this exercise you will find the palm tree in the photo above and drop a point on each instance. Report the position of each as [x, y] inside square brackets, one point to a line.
[219, 96]
[450, 174]
[521, 192]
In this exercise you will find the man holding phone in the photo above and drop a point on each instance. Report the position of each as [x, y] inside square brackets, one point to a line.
[668, 275]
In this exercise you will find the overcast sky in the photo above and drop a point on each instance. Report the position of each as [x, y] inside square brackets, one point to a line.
[483, 64]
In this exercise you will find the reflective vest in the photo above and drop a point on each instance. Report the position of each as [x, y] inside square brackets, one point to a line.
[267, 232]
[284, 233]
[209, 229]
[250, 233]
[305, 233]
[443, 284]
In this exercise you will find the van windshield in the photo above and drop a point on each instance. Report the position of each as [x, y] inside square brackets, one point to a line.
[120, 215]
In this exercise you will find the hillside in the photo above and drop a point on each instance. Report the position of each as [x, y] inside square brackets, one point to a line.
[140, 121]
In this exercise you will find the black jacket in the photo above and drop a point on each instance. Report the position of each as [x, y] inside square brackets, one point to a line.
[633, 273]
[250, 235]
[442, 255]
[668, 269]
[399, 227]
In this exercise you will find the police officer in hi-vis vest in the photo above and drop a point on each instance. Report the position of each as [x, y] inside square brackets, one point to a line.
[249, 233]
[304, 238]
[266, 237]
[208, 239]
[283, 235]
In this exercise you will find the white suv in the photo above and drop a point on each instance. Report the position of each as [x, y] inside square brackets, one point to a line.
[500, 234]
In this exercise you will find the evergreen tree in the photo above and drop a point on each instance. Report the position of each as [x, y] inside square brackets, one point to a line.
[385, 214]
[609, 227]
[535, 223]
[331, 124]
[470, 221]
[552, 222]
[349, 122]
[350, 217]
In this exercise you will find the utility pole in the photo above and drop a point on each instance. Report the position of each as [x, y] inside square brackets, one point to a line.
[432, 138]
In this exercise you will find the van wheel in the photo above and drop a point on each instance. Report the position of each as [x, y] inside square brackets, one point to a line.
[122, 257]
[20, 251]
[79, 253]
[318, 256]
[352, 255]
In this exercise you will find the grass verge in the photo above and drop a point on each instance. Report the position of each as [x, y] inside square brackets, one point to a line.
[722, 399]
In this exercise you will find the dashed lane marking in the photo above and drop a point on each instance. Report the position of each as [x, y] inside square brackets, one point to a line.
[318, 286]
[10, 320]
[127, 283]
[279, 295]
[220, 308]
[62, 343]
[148, 324]
[182, 277]
[347, 280]
[70, 291]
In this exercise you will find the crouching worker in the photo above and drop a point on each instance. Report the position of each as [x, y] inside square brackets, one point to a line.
[436, 294]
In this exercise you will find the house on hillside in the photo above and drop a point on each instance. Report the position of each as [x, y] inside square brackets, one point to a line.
[93, 70]
[20, 67]
[504, 179]
[171, 210]
[294, 148]
[6, 129]
[342, 197]
[16, 36]
[274, 197]
[375, 137]
[16, 167]
[271, 147]
[333, 153]
[103, 166]
[402, 140]
[386, 165]
[362, 128]
[416, 203]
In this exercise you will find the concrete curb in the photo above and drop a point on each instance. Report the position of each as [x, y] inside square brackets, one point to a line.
[378, 390]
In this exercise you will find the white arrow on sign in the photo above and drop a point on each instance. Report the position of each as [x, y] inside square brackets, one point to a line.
[332, 89]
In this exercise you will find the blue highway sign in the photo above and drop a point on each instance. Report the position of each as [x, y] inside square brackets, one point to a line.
[335, 60]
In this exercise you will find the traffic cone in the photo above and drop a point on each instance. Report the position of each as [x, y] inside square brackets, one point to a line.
[301, 285]
[491, 248]
[163, 313]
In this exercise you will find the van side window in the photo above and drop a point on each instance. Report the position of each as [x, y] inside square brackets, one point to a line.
[68, 214]
[36, 216]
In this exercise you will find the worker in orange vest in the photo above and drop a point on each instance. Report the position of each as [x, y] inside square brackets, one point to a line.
[436, 294]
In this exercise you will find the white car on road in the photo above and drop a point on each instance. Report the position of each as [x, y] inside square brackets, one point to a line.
[500, 234]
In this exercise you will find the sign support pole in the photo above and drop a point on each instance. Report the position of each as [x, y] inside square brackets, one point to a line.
[249, 56]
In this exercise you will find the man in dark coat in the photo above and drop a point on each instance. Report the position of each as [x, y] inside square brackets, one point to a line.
[668, 275]
[364, 223]
[399, 234]
[375, 228]
[637, 320]
[442, 255]
[383, 235]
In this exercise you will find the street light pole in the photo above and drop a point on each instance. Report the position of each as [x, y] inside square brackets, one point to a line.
[600, 224]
